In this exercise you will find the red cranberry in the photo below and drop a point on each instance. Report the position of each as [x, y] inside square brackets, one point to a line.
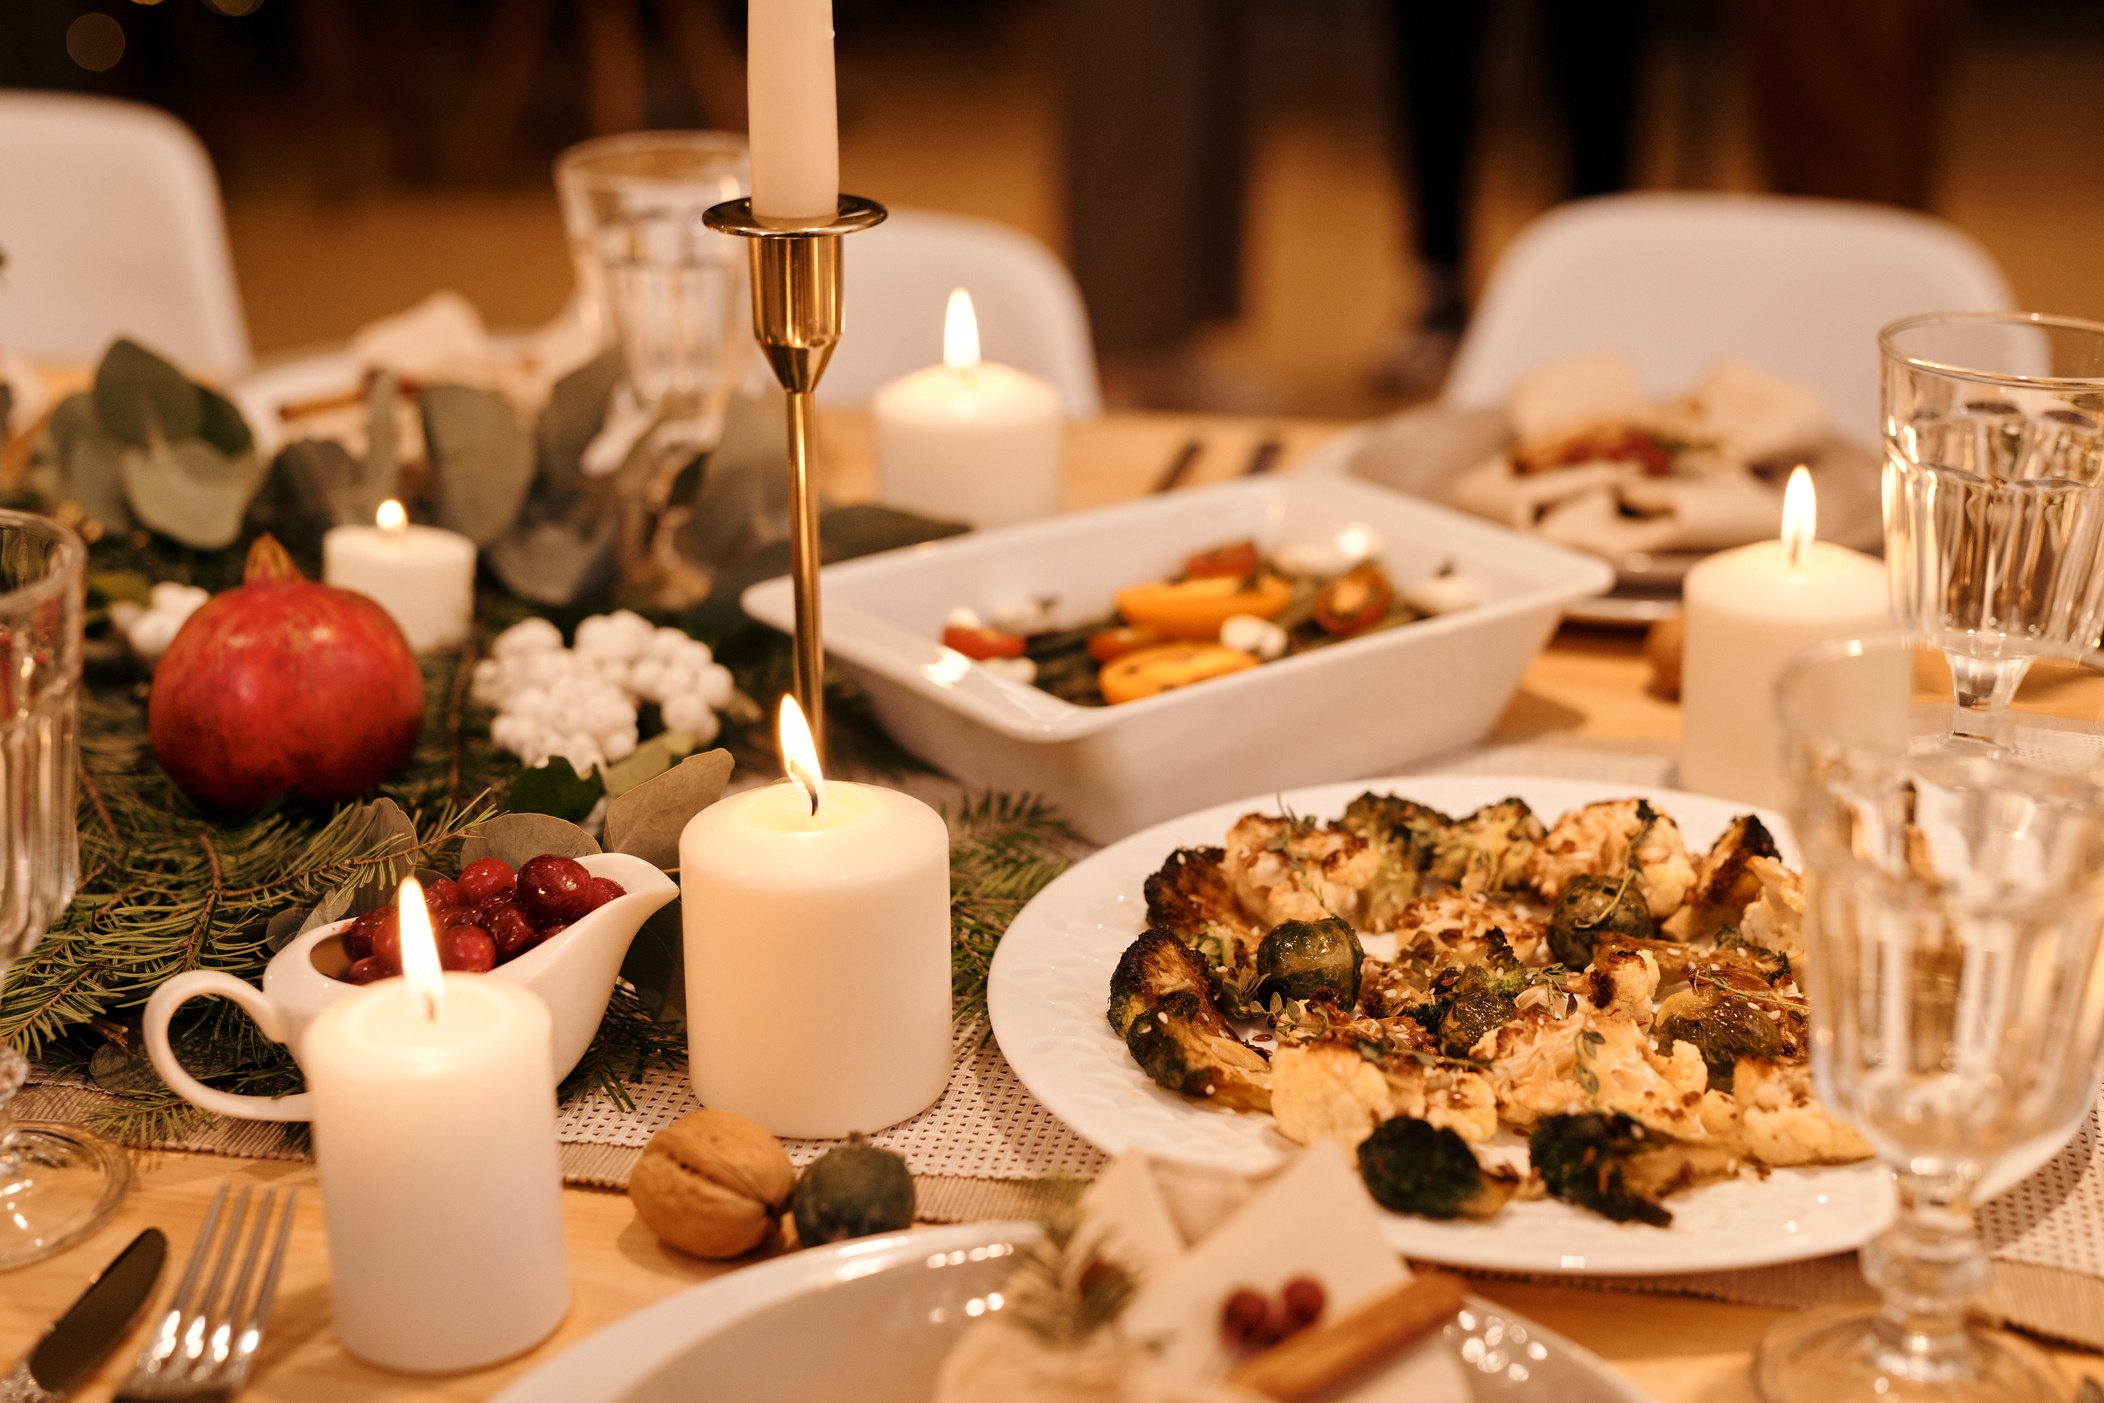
[366, 971]
[387, 940]
[1304, 1300]
[554, 888]
[601, 890]
[357, 941]
[549, 933]
[1245, 1318]
[467, 948]
[444, 895]
[507, 925]
[487, 877]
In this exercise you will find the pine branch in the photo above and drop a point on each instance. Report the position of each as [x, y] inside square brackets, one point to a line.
[1004, 850]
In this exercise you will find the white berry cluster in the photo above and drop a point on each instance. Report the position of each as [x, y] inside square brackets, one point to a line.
[580, 702]
[150, 628]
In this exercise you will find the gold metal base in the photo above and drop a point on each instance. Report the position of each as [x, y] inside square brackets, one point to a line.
[796, 318]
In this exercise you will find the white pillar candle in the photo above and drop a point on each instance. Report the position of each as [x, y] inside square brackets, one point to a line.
[424, 577]
[968, 440]
[434, 1129]
[1749, 611]
[818, 953]
[790, 111]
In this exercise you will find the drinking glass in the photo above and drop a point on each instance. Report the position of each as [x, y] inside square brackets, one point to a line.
[671, 293]
[1954, 936]
[57, 1182]
[1994, 518]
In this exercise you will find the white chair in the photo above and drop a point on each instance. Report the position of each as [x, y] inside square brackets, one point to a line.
[898, 280]
[1798, 288]
[111, 225]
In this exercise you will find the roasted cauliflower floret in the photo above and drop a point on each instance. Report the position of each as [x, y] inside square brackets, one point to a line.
[1775, 920]
[1454, 929]
[1623, 981]
[1781, 1124]
[1488, 852]
[1406, 835]
[1619, 1167]
[1725, 884]
[1328, 1091]
[1606, 840]
[1285, 869]
[1590, 1061]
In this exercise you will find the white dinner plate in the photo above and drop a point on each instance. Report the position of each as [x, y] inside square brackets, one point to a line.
[872, 1320]
[1051, 981]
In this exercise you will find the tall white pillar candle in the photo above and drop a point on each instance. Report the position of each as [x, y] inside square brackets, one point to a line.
[969, 440]
[424, 577]
[818, 956]
[1749, 611]
[790, 110]
[434, 1129]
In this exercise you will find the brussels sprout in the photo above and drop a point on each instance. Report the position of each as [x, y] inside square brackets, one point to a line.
[1487, 852]
[1723, 1027]
[1310, 959]
[1592, 907]
[1619, 1167]
[1177, 1043]
[1413, 1166]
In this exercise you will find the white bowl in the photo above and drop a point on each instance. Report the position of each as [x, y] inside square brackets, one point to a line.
[1360, 707]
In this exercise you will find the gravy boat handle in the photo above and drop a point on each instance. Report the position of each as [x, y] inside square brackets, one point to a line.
[160, 1010]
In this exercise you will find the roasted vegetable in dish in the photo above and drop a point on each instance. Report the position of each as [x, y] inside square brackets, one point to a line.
[1154, 968]
[1618, 1167]
[1181, 1044]
[1724, 1026]
[1489, 851]
[1413, 1166]
[1726, 882]
[1595, 907]
[1310, 960]
[1482, 998]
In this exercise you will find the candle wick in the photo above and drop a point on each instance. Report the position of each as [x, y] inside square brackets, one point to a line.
[430, 998]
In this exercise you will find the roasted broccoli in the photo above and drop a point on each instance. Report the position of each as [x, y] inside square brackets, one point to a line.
[1180, 1042]
[1413, 1166]
[1480, 999]
[1153, 968]
[1725, 884]
[1725, 1023]
[1310, 959]
[1487, 852]
[1593, 907]
[1619, 1167]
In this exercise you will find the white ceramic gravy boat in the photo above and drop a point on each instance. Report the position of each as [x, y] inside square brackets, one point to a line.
[573, 973]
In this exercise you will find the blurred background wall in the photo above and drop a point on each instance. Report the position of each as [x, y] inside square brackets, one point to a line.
[373, 151]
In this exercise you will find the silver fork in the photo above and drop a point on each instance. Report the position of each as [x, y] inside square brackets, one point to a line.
[205, 1345]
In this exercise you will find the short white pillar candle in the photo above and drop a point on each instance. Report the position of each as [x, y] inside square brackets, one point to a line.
[818, 954]
[969, 440]
[423, 576]
[1749, 611]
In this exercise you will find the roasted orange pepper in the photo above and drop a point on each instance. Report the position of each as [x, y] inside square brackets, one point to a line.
[1167, 666]
[1238, 560]
[1197, 608]
[979, 644]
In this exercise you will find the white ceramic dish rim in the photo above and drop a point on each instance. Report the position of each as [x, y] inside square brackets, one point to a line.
[602, 1367]
[1024, 1012]
[925, 667]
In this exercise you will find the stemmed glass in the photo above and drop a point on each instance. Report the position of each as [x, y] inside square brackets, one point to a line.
[1994, 515]
[1954, 930]
[57, 1182]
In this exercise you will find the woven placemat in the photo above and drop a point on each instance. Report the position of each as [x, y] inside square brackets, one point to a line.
[988, 1149]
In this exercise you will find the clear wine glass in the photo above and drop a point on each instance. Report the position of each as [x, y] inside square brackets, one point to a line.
[57, 1182]
[1994, 516]
[1954, 930]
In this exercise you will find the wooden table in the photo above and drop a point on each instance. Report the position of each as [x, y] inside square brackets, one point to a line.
[1586, 684]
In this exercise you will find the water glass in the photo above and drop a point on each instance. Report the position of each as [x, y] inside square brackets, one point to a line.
[1954, 932]
[1994, 514]
[57, 1183]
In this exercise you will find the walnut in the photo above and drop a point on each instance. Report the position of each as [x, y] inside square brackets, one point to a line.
[712, 1183]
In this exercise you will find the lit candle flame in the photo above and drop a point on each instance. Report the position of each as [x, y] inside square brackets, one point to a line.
[420, 948]
[391, 517]
[960, 333]
[1800, 516]
[799, 753]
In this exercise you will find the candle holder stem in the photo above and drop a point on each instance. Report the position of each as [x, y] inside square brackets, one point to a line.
[796, 318]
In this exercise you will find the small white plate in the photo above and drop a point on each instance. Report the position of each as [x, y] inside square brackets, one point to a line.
[1051, 981]
[872, 1320]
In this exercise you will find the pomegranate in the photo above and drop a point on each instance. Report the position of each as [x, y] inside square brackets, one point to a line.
[282, 685]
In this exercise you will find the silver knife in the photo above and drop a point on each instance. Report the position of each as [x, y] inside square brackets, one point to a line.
[91, 1327]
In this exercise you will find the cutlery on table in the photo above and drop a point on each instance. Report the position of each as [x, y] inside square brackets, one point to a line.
[205, 1345]
[1179, 466]
[1263, 458]
[92, 1326]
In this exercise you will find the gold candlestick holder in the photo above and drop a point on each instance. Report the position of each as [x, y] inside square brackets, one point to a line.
[796, 309]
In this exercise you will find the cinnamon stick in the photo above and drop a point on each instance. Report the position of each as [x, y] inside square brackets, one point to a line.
[1323, 1356]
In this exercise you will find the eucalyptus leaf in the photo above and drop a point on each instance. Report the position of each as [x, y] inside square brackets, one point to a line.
[70, 418]
[656, 965]
[127, 585]
[552, 787]
[515, 837]
[647, 761]
[223, 427]
[320, 473]
[121, 1071]
[285, 927]
[575, 413]
[91, 472]
[649, 818]
[481, 457]
[557, 559]
[378, 824]
[191, 492]
[140, 397]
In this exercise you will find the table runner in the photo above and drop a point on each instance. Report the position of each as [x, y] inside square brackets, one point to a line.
[988, 1148]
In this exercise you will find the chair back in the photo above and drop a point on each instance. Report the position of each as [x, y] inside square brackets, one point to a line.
[898, 280]
[1677, 282]
[111, 225]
